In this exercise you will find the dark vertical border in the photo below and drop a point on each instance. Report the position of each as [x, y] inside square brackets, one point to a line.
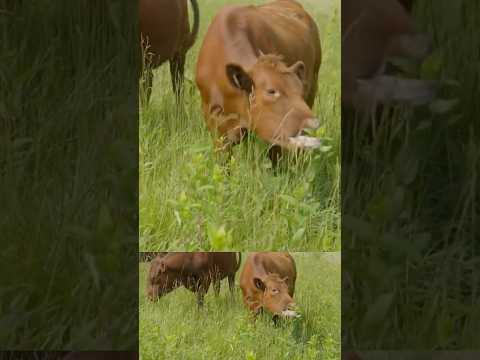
[69, 174]
[410, 210]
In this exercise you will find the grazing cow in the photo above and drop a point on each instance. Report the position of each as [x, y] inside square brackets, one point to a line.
[164, 27]
[372, 32]
[194, 270]
[268, 282]
[101, 355]
[257, 70]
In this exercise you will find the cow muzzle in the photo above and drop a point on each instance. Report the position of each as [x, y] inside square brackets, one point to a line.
[290, 311]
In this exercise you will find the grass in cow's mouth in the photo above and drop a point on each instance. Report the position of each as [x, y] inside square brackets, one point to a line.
[192, 198]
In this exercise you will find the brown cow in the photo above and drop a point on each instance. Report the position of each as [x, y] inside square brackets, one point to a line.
[268, 282]
[257, 70]
[194, 270]
[372, 32]
[102, 355]
[165, 30]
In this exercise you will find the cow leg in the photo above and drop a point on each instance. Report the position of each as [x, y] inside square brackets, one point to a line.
[231, 283]
[216, 286]
[200, 298]
[275, 153]
[146, 86]
[177, 69]
[202, 289]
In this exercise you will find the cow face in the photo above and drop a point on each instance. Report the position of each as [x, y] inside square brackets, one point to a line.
[161, 279]
[277, 110]
[275, 297]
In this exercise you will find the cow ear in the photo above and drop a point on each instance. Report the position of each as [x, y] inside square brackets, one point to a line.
[259, 284]
[239, 77]
[299, 69]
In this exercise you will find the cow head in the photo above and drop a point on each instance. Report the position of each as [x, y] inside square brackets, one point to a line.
[275, 297]
[161, 279]
[277, 110]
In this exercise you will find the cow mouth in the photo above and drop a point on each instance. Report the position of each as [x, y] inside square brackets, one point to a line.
[298, 142]
[304, 140]
[289, 314]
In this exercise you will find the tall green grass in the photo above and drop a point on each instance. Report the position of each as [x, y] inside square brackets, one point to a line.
[190, 200]
[410, 212]
[174, 327]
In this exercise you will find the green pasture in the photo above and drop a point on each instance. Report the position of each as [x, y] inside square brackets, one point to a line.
[189, 200]
[175, 328]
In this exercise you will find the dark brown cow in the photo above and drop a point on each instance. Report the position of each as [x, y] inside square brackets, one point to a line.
[194, 270]
[257, 70]
[372, 32]
[165, 30]
[102, 355]
[268, 282]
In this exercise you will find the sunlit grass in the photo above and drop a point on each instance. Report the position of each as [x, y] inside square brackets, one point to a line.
[191, 200]
[174, 328]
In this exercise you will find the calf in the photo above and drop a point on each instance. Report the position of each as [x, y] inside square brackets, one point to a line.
[373, 31]
[268, 282]
[165, 32]
[257, 70]
[194, 270]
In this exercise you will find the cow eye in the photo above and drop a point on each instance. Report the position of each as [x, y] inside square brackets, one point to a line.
[272, 92]
[275, 291]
